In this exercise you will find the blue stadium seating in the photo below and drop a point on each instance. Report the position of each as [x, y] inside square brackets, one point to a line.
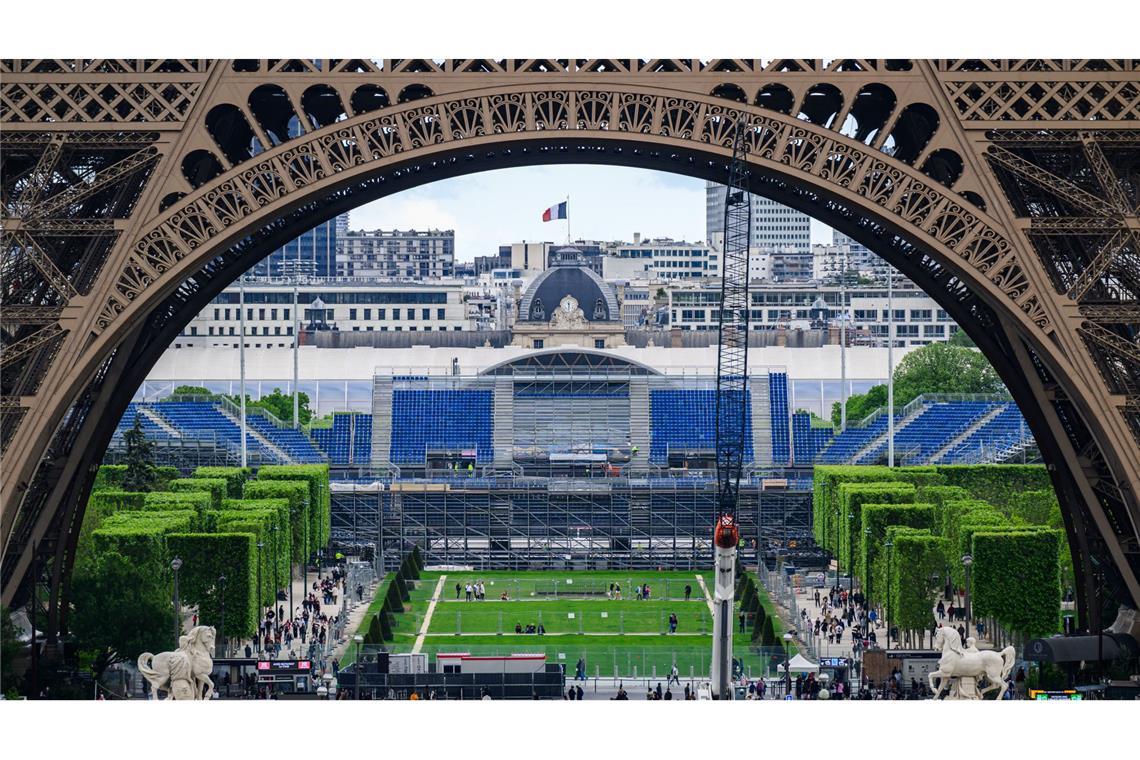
[808, 441]
[293, 442]
[931, 429]
[151, 429]
[995, 437]
[440, 419]
[334, 441]
[203, 420]
[778, 401]
[686, 419]
[846, 444]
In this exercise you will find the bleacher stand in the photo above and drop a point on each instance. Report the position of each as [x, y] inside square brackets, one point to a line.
[440, 419]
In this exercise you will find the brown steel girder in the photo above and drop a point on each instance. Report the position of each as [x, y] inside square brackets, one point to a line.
[492, 112]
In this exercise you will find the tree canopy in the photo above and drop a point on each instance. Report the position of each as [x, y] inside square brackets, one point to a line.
[141, 474]
[280, 405]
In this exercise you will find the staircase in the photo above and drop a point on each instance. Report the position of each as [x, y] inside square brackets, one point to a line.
[639, 422]
[761, 420]
[639, 519]
[503, 424]
[936, 457]
[881, 440]
[381, 422]
[157, 419]
[278, 454]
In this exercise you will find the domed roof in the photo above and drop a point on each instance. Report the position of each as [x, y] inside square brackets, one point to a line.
[595, 298]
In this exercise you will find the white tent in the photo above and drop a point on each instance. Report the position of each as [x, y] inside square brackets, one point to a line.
[800, 664]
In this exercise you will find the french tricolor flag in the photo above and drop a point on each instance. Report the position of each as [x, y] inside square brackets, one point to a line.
[557, 211]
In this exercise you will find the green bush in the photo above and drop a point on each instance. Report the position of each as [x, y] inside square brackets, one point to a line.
[918, 561]
[825, 495]
[199, 501]
[297, 494]
[258, 516]
[216, 487]
[234, 477]
[876, 518]
[317, 477]
[1036, 508]
[164, 474]
[1016, 579]
[109, 476]
[852, 497]
[997, 483]
[919, 476]
[205, 558]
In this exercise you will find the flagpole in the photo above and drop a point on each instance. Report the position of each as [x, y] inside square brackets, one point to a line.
[567, 219]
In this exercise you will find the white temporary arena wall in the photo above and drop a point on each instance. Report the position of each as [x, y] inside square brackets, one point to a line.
[341, 379]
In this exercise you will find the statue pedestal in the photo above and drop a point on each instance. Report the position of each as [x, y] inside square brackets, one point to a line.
[964, 687]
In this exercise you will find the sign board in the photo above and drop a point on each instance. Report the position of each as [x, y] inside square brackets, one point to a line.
[1052, 694]
[284, 667]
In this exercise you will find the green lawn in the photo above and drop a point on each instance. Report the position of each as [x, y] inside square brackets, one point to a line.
[632, 636]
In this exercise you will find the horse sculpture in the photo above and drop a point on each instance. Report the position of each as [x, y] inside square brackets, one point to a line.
[958, 662]
[182, 673]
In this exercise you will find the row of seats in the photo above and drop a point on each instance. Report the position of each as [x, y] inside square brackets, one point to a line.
[808, 441]
[348, 441]
[778, 402]
[924, 434]
[294, 443]
[686, 419]
[203, 420]
[151, 429]
[993, 439]
[443, 419]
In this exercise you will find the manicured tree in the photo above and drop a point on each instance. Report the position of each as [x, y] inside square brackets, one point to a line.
[825, 495]
[768, 637]
[206, 557]
[373, 636]
[1035, 508]
[258, 516]
[852, 497]
[164, 474]
[924, 476]
[198, 501]
[997, 483]
[109, 476]
[940, 496]
[402, 588]
[758, 624]
[141, 474]
[297, 494]
[1016, 579]
[876, 518]
[234, 477]
[918, 562]
[393, 598]
[419, 559]
[216, 487]
[386, 621]
[317, 478]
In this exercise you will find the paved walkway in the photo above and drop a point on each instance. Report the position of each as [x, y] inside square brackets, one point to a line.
[708, 596]
[427, 616]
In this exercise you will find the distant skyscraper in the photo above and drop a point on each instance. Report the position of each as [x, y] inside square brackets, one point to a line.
[313, 254]
[860, 257]
[775, 227]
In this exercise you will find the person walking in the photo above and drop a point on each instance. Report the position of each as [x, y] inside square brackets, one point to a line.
[688, 592]
[458, 591]
[674, 676]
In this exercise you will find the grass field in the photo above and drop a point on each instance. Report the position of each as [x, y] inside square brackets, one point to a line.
[623, 636]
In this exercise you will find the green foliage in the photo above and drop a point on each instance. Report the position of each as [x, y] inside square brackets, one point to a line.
[960, 338]
[206, 558]
[919, 476]
[190, 390]
[876, 519]
[942, 368]
[317, 476]
[120, 610]
[1017, 579]
[199, 501]
[374, 636]
[165, 474]
[852, 497]
[996, 483]
[257, 517]
[860, 405]
[768, 636]
[109, 476]
[141, 474]
[825, 495]
[234, 477]
[1036, 508]
[939, 496]
[297, 494]
[918, 561]
[279, 405]
[216, 487]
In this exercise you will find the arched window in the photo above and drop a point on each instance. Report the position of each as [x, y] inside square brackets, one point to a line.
[274, 112]
[729, 92]
[414, 92]
[601, 313]
[914, 128]
[537, 311]
[322, 105]
[869, 112]
[201, 166]
[232, 133]
[368, 97]
[821, 105]
[776, 97]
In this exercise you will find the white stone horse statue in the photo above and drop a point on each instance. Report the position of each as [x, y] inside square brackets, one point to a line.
[182, 673]
[959, 663]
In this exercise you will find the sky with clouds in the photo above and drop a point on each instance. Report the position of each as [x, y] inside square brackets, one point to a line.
[504, 206]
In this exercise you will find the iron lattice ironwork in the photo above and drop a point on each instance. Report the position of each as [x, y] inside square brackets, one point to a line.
[733, 317]
[134, 190]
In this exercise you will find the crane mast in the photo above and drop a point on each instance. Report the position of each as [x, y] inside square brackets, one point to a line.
[731, 404]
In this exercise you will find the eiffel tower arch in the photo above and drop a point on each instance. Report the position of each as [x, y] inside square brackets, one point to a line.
[135, 190]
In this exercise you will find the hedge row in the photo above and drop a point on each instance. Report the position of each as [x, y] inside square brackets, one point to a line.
[296, 494]
[216, 487]
[234, 477]
[317, 477]
[232, 556]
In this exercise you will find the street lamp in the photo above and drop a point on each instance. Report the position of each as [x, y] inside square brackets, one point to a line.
[787, 665]
[176, 565]
[850, 574]
[967, 560]
[356, 681]
[222, 628]
[260, 598]
[888, 545]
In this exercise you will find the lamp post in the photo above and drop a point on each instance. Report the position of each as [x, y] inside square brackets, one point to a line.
[222, 631]
[176, 565]
[356, 681]
[850, 565]
[866, 581]
[967, 560]
[260, 598]
[836, 513]
[787, 664]
[276, 585]
[888, 546]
